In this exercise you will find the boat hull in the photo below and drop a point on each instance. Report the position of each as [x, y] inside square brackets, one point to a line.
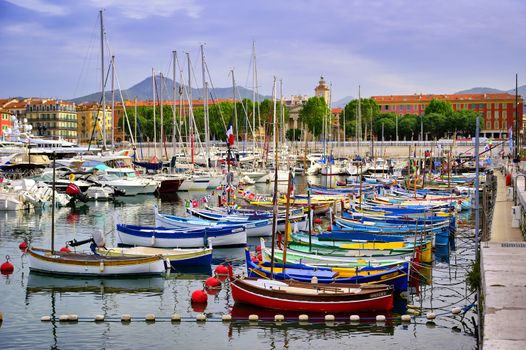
[274, 299]
[175, 257]
[166, 238]
[42, 260]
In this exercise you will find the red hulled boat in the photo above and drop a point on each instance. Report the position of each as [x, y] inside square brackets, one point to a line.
[300, 296]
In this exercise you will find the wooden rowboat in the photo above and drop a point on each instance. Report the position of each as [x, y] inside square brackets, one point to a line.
[175, 257]
[86, 264]
[298, 296]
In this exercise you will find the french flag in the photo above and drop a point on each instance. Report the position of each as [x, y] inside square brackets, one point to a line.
[230, 134]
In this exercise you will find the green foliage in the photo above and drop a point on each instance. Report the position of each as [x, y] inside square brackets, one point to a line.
[473, 278]
[313, 113]
[438, 106]
[293, 134]
[219, 117]
[388, 121]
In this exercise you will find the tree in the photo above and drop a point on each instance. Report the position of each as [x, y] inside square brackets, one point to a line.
[435, 124]
[293, 134]
[313, 113]
[388, 120]
[438, 106]
[408, 126]
[369, 109]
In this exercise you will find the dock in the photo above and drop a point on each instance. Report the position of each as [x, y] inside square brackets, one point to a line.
[503, 271]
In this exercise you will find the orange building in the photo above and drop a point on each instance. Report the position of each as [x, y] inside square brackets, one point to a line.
[498, 109]
[5, 121]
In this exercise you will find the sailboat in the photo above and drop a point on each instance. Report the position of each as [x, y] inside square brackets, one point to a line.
[306, 296]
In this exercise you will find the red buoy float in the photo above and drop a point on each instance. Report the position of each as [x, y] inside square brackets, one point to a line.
[329, 228]
[23, 246]
[199, 297]
[7, 268]
[260, 257]
[317, 221]
[221, 270]
[65, 249]
[258, 248]
[212, 282]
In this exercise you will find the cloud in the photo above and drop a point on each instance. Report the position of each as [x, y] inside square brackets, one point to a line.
[140, 9]
[41, 6]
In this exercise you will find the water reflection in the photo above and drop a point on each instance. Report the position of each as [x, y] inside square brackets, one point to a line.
[38, 283]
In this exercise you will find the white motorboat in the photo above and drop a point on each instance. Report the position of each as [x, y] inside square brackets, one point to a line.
[126, 180]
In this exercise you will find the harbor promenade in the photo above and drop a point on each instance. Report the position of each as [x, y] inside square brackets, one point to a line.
[503, 273]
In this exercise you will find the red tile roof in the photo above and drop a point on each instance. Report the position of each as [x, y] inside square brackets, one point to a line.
[449, 97]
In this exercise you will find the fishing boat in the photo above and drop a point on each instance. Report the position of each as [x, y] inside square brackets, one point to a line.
[162, 237]
[254, 228]
[85, 264]
[377, 250]
[289, 295]
[315, 259]
[175, 257]
[392, 275]
[298, 296]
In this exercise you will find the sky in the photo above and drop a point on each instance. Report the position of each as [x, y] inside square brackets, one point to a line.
[51, 48]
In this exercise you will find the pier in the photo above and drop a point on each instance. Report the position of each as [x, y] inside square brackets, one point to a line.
[503, 269]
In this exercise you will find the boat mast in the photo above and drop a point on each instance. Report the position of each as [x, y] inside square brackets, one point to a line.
[161, 137]
[135, 129]
[102, 81]
[154, 121]
[359, 120]
[235, 103]
[190, 108]
[253, 98]
[113, 103]
[174, 113]
[275, 196]
[53, 205]
[205, 108]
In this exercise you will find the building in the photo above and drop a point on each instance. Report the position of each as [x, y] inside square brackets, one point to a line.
[498, 109]
[51, 118]
[294, 105]
[323, 90]
[5, 121]
[87, 113]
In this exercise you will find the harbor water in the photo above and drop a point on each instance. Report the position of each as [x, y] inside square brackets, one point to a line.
[25, 297]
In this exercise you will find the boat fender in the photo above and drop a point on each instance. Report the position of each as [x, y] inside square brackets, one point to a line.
[167, 264]
[406, 318]
[253, 318]
[152, 241]
[329, 318]
[303, 317]
[431, 315]
[380, 318]
[101, 266]
[279, 318]
[354, 318]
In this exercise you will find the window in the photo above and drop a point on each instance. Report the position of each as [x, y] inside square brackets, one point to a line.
[504, 105]
[504, 115]
[488, 106]
[496, 124]
[504, 124]
[496, 114]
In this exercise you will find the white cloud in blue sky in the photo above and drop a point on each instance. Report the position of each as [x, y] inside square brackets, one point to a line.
[50, 48]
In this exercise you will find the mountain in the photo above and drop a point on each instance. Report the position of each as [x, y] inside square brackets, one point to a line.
[480, 90]
[486, 90]
[342, 101]
[144, 91]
